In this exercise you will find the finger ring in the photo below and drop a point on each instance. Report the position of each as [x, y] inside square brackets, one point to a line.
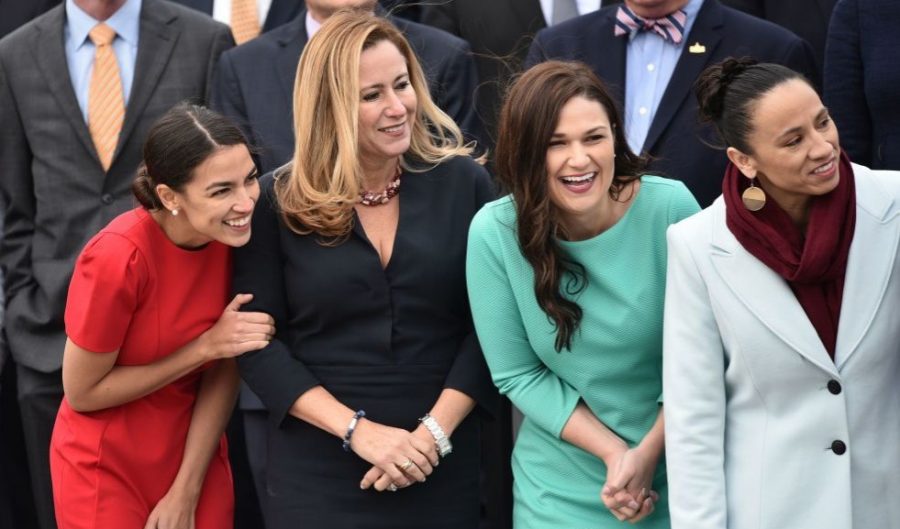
[406, 464]
[392, 487]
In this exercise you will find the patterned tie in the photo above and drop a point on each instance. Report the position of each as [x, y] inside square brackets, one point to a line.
[670, 27]
[106, 102]
[244, 20]
[564, 10]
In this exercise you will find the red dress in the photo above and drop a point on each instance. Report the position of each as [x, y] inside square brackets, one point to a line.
[134, 291]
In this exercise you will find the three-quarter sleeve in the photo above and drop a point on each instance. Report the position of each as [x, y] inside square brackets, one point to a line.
[515, 367]
[469, 372]
[273, 372]
[694, 384]
[104, 292]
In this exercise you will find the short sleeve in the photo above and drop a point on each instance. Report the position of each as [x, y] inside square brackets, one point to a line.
[104, 293]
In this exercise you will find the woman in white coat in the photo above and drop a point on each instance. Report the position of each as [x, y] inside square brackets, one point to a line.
[781, 367]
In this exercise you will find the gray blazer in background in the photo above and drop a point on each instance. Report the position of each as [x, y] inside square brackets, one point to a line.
[55, 190]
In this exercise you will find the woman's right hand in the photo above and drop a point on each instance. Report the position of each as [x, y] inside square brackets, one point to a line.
[236, 332]
[627, 492]
[390, 448]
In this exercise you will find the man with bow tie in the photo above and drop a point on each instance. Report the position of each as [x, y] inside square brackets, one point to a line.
[650, 52]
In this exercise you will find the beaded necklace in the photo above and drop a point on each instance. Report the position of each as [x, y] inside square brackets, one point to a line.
[371, 198]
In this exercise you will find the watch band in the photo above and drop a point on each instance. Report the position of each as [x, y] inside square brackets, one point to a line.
[444, 446]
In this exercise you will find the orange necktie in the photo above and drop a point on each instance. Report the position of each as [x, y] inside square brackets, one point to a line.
[244, 20]
[106, 102]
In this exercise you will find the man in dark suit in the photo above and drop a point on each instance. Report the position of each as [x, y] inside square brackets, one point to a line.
[660, 109]
[62, 180]
[280, 12]
[255, 81]
[807, 18]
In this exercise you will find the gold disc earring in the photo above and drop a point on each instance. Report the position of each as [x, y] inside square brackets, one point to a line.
[754, 198]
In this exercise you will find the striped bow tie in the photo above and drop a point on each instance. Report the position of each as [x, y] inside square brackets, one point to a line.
[669, 27]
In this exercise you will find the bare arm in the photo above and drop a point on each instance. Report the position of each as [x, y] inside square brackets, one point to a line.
[215, 401]
[93, 381]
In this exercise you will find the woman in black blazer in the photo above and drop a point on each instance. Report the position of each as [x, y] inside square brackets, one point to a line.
[358, 252]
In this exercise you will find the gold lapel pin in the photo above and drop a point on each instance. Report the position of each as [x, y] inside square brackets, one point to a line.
[697, 48]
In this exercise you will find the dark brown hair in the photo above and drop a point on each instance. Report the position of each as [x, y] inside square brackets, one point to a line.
[528, 119]
[182, 139]
[726, 93]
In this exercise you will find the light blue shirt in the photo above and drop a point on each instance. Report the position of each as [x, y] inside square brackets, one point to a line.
[80, 50]
[650, 62]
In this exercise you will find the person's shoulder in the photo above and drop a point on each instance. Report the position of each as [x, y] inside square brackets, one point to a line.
[576, 26]
[745, 25]
[697, 229]
[878, 190]
[52, 19]
[190, 16]
[430, 35]
[260, 49]
[497, 214]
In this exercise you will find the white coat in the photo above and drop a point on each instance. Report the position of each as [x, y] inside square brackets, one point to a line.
[756, 412]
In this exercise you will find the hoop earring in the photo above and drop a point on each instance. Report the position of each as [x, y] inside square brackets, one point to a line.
[175, 212]
[753, 197]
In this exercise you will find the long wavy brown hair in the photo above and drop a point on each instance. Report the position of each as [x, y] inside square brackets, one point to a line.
[528, 119]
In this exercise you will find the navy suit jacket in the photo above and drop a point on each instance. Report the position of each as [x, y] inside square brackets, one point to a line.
[861, 80]
[280, 12]
[679, 144]
[254, 84]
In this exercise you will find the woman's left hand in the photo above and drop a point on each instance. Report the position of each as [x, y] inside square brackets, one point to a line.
[627, 493]
[174, 511]
[380, 481]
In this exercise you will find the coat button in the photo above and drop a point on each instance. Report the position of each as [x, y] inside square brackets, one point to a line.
[838, 447]
[107, 199]
[834, 387]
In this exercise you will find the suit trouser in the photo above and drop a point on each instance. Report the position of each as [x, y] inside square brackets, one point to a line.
[39, 397]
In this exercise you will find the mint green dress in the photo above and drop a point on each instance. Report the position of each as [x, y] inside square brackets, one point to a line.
[615, 365]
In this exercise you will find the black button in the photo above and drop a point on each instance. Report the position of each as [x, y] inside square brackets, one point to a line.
[838, 447]
[107, 198]
[834, 387]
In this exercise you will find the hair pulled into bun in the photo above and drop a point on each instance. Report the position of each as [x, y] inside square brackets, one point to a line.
[144, 189]
[726, 91]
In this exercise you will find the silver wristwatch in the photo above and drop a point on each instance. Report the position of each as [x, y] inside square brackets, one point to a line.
[444, 446]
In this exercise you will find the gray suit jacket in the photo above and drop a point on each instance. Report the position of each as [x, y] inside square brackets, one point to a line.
[56, 192]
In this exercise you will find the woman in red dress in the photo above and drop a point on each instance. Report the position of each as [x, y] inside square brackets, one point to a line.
[148, 369]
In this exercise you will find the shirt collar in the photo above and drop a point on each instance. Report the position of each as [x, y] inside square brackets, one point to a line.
[311, 25]
[126, 22]
[690, 11]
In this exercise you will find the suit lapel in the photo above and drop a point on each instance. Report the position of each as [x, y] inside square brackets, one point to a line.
[281, 11]
[766, 295]
[869, 265]
[607, 56]
[158, 35]
[707, 31]
[50, 57]
[285, 64]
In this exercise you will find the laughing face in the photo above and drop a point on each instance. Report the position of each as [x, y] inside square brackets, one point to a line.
[216, 205]
[795, 145]
[387, 105]
[580, 162]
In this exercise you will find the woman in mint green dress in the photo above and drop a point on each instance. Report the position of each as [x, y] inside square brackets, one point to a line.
[566, 277]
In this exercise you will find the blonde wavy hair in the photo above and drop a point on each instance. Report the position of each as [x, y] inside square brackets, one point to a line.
[316, 192]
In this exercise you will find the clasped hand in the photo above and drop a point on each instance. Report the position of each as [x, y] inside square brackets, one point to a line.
[236, 332]
[399, 457]
[627, 493]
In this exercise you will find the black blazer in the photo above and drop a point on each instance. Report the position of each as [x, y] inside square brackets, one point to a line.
[807, 18]
[255, 83]
[280, 12]
[676, 140]
[56, 192]
[499, 32]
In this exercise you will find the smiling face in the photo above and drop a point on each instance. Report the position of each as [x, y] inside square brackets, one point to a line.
[580, 162]
[387, 105]
[795, 145]
[217, 203]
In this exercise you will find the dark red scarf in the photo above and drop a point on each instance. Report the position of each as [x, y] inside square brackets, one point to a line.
[813, 265]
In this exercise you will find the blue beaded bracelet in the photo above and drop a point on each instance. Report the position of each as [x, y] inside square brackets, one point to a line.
[356, 417]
